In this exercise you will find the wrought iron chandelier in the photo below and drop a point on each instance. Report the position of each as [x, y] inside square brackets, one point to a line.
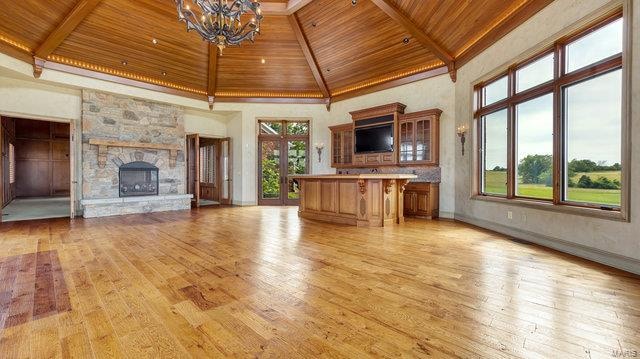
[220, 21]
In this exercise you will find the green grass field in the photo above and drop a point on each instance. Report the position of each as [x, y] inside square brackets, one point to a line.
[495, 184]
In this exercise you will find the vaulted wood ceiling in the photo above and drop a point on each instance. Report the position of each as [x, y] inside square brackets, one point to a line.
[313, 50]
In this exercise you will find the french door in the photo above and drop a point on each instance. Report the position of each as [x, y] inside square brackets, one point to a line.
[283, 152]
[216, 179]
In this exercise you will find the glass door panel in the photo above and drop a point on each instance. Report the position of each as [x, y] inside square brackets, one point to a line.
[225, 171]
[406, 142]
[271, 174]
[296, 165]
[423, 140]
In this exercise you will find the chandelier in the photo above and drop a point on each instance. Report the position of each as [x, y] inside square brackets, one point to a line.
[220, 21]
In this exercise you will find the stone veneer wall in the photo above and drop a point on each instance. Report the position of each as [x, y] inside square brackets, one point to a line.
[113, 117]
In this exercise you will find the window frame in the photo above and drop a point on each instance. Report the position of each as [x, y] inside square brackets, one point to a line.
[555, 87]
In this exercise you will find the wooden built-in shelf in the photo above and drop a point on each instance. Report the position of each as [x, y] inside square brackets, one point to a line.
[416, 138]
[103, 146]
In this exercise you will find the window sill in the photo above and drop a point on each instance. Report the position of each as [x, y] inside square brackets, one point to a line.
[619, 216]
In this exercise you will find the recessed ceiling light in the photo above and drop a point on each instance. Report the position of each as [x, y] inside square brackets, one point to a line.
[155, 41]
[263, 61]
[314, 24]
[164, 73]
[354, 2]
[124, 62]
[405, 40]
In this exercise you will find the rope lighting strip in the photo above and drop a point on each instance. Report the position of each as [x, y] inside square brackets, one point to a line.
[387, 78]
[269, 94]
[124, 74]
[14, 43]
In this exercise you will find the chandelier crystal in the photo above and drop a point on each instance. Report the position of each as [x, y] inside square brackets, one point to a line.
[221, 21]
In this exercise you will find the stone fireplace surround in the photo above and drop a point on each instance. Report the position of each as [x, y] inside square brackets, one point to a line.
[128, 120]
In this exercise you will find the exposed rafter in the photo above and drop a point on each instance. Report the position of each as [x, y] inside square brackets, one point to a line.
[427, 42]
[60, 33]
[308, 54]
[212, 74]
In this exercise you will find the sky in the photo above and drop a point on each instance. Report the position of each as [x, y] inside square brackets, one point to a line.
[593, 108]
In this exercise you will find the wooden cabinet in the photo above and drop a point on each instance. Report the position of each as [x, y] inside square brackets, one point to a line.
[419, 138]
[421, 199]
[342, 145]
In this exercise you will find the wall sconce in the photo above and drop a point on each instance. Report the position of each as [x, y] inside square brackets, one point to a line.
[319, 148]
[462, 132]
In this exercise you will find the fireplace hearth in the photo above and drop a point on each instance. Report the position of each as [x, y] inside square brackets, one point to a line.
[138, 179]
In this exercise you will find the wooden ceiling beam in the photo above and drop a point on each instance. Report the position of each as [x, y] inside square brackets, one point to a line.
[424, 39]
[212, 74]
[308, 55]
[82, 9]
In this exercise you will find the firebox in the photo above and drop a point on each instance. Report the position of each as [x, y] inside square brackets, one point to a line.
[138, 179]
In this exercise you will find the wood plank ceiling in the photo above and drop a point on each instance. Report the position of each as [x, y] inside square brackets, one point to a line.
[308, 50]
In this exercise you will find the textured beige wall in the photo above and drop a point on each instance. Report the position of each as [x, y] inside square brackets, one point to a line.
[603, 235]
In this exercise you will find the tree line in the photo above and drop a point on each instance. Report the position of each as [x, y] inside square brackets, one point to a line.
[538, 169]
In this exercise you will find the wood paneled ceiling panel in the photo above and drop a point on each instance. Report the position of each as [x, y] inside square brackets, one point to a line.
[31, 21]
[358, 43]
[350, 48]
[285, 68]
[460, 24]
[106, 38]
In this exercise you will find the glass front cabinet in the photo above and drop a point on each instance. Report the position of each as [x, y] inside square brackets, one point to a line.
[342, 145]
[418, 134]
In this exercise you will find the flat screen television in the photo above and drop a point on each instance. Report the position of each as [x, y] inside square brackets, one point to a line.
[374, 139]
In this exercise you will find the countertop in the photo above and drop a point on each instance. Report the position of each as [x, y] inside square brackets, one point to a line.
[357, 176]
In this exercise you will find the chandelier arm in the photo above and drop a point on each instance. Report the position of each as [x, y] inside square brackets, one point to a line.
[219, 22]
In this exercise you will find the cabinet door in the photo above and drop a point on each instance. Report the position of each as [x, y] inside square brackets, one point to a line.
[406, 142]
[336, 148]
[347, 146]
[422, 203]
[423, 140]
[410, 203]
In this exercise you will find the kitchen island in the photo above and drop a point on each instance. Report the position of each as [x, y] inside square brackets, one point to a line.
[363, 200]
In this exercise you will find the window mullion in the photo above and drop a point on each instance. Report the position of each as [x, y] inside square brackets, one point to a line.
[558, 143]
[511, 137]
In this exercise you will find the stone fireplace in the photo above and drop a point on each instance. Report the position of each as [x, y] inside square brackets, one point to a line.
[133, 158]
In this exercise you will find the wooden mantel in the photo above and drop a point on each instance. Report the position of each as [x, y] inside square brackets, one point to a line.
[103, 146]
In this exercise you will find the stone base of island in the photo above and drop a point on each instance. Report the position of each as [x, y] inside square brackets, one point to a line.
[364, 200]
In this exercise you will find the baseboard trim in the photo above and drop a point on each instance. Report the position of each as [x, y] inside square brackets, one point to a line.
[446, 215]
[245, 203]
[610, 259]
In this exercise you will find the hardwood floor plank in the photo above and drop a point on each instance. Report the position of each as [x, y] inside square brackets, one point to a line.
[261, 282]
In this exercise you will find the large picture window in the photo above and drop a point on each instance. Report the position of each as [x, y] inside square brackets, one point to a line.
[550, 128]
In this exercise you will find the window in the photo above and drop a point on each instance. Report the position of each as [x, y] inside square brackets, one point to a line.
[495, 152]
[12, 164]
[550, 128]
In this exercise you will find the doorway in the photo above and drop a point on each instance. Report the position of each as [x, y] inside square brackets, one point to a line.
[36, 170]
[283, 151]
[209, 170]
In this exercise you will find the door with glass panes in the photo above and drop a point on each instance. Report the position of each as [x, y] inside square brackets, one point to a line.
[283, 151]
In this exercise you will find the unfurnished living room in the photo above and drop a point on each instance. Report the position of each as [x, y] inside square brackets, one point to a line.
[319, 178]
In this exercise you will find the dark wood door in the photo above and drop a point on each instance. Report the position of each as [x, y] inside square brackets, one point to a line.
[42, 159]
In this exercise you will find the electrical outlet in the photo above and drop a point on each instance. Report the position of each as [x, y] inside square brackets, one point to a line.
[509, 215]
[524, 218]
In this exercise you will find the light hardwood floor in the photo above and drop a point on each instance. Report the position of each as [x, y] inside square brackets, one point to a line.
[262, 282]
